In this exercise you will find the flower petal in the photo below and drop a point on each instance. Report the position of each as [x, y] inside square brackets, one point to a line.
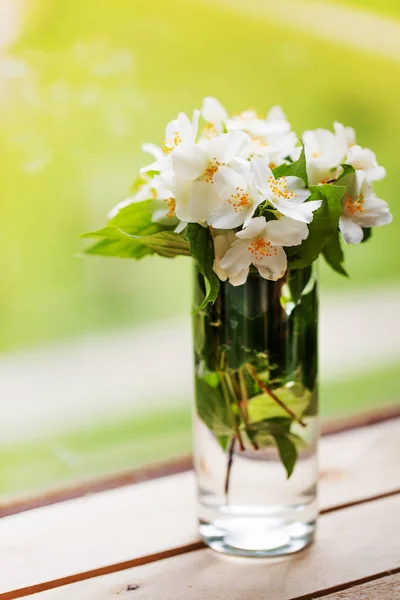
[203, 200]
[375, 213]
[228, 146]
[277, 121]
[297, 185]
[256, 227]
[237, 258]
[154, 150]
[182, 193]
[300, 212]
[226, 181]
[213, 111]
[189, 161]
[286, 232]
[273, 267]
[261, 172]
[240, 278]
[195, 124]
[222, 243]
[365, 159]
[178, 130]
[347, 133]
[352, 233]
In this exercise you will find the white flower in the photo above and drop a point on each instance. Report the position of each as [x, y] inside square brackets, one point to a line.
[160, 188]
[222, 242]
[216, 116]
[361, 208]
[274, 140]
[364, 159]
[275, 149]
[181, 130]
[325, 152]
[236, 187]
[275, 123]
[286, 194]
[160, 162]
[346, 133]
[261, 244]
[178, 131]
[195, 166]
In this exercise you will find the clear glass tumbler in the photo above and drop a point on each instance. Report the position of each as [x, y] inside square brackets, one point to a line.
[256, 414]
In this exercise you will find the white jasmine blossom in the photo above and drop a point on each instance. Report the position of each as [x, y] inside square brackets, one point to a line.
[261, 244]
[361, 208]
[223, 240]
[216, 116]
[286, 194]
[364, 159]
[195, 166]
[275, 123]
[325, 152]
[236, 187]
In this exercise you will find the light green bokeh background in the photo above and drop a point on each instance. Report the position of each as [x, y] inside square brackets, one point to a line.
[82, 85]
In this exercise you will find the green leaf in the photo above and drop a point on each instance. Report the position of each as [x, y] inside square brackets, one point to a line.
[224, 441]
[334, 256]
[131, 233]
[212, 379]
[367, 234]
[322, 228]
[287, 452]
[134, 219]
[263, 432]
[213, 410]
[262, 406]
[202, 249]
[297, 282]
[295, 169]
[346, 170]
[118, 247]
[164, 243]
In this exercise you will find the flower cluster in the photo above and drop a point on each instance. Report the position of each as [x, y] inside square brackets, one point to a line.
[265, 197]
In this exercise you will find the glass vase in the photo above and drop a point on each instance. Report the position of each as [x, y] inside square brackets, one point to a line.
[256, 414]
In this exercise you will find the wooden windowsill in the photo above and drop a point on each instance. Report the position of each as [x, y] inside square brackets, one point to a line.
[179, 465]
[145, 535]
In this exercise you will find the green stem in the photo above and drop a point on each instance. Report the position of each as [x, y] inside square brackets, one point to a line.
[229, 467]
[223, 377]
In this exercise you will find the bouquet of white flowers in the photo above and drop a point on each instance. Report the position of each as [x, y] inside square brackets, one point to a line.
[255, 207]
[241, 190]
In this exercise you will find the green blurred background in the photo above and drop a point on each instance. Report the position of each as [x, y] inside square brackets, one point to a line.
[82, 84]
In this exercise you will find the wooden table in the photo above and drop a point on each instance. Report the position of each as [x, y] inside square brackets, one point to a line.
[139, 542]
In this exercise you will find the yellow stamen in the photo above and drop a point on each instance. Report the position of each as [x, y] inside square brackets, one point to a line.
[260, 248]
[175, 141]
[211, 169]
[352, 204]
[280, 188]
[171, 203]
[240, 200]
[210, 130]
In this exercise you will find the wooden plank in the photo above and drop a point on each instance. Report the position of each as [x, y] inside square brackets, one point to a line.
[386, 588]
[353, 545]
[112, 527]
[170, 467]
